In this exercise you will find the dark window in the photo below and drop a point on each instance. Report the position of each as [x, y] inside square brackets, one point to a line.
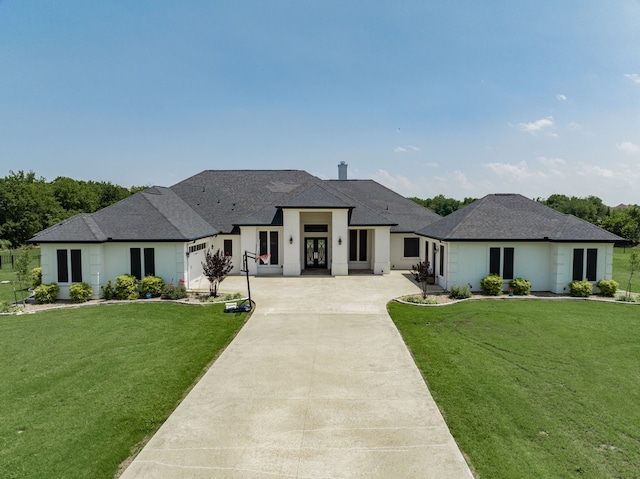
[578, 264]
[353, 245]
[316, 228]
[494, 261]
[411, 247]
[63, 267]
[136, 266]
[363, 245]
[149, 262]
[76, 266]
[262, 240]
[507, 267]
[442, 260]
[592, 263]
[228, 247]
[273, 246]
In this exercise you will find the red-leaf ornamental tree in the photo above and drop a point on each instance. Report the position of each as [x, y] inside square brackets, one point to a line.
[216, 266]
[422, 273]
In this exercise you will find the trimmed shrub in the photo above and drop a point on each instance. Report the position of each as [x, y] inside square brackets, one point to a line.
[108, 291]
[608, 287]
[46, 293]
[126, 287]
[170, 291]
[581, 289]
[459, 292]
[36, 277]
[80, 292]
[491, 285]
[520, 286]
[152, 285]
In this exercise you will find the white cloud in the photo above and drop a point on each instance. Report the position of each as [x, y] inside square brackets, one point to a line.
[432, 164]
[538, 126]
[634, 77]
[517, 172]
[574, 126]
[598, 172]
[561, 97]
[628, 147]
[551, 162]
[402, 149]
[398, 183]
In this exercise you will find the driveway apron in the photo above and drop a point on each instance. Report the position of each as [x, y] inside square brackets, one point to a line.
[318, 384]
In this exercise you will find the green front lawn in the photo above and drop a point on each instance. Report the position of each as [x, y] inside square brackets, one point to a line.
[82, 387]
[534, 388]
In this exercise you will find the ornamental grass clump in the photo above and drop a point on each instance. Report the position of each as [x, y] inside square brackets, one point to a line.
[459, 292]
[580, 289]
[491, 285]
[520, 286]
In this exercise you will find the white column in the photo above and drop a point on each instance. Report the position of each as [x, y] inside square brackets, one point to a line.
[249, 242]
[382, 250]
[339, 253]
[291, 242]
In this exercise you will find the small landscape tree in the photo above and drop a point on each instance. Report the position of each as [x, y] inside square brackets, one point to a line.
[216, 266]
[634, 265]
[22, 266]
[422, 274]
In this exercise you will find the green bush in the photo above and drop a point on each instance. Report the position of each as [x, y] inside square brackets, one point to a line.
[80, 292]
[608, 287]
[46, 293]
[170, 291]
[126, 287]
[152, 285]
[581, 289]
[491, 285]
[36, 277]
[520, 286]
[108, 291]
[459, 292]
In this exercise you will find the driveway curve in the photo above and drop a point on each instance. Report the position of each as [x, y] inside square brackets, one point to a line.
[318, 384]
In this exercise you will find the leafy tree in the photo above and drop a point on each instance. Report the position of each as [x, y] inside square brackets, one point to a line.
[624, 222]
[216, 267]
[590, 209]
[441, 205]
[22, 266]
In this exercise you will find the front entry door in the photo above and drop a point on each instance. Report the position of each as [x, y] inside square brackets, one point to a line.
[316, 252]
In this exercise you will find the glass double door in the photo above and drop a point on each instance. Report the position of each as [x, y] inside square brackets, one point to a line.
[315, 252]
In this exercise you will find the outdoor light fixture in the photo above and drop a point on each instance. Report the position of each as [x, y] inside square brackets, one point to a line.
[340, 240]
[291, 239]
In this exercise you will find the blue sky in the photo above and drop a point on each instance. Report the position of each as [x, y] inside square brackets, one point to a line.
[461, 98]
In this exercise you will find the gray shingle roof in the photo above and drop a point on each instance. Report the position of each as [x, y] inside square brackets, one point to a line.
[155, 214]
[504, 217]
[218, 201]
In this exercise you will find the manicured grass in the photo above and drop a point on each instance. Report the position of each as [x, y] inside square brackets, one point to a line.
[621, 270]
[81, 388]
[534, 388]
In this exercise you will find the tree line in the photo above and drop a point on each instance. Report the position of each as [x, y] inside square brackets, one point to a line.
[623, 221]
[29, 204]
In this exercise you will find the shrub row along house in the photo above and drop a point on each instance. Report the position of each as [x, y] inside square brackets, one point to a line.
[296, 222]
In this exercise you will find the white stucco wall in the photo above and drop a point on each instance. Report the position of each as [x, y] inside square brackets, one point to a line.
[396, 251]
[548, 266]
[102, 262]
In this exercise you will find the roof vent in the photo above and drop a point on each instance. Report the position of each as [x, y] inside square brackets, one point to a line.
[342, 171]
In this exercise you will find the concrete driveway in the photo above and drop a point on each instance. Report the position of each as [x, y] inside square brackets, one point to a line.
[318, 384]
